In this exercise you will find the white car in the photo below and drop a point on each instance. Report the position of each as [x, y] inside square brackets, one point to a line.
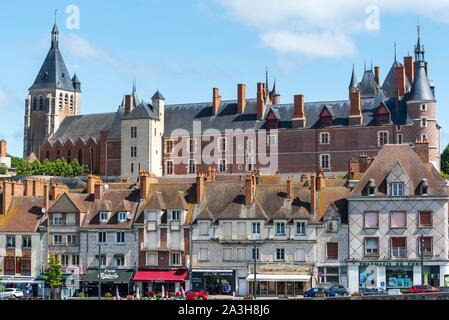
[11, 293]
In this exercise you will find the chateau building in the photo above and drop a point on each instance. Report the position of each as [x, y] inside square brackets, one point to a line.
[239, 135]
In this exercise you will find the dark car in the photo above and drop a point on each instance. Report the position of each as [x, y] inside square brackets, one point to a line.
[318, 292]
[373, 292]
[338, 290]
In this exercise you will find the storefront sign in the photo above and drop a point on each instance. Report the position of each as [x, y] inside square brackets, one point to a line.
[109, 274]
[390, 263]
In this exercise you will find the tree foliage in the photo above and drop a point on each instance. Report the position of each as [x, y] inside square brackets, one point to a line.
[445, 161]
[53, 272]
[60, 167]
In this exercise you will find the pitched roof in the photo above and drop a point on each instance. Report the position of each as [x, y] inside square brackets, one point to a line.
[24, 215]
[72, 202]
[386, 158]
[389, 84]
[143, 111]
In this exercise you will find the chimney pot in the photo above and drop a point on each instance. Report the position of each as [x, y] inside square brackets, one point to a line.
[409, 66]
[216, 100]
[129, 103]
[260, 100]
[3, 145]
[241, 98]
[377, 75]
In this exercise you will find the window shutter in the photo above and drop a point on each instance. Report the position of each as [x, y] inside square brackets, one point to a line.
[332, 250]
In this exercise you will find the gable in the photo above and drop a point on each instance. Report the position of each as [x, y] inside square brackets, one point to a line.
[64, 205]
[398, 174]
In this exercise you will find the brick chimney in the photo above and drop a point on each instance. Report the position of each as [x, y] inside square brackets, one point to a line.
[216, 100]
[400, 81]
[241, 98]
[57, 189]
[409, 66]
[3, 145]
[422, 150]
[313, 194]
[91, 182]
[249, 190]
[29, 187]
[211, 173]
[355, 113]
[377, 75]
[303, 178]
[200, 186]
[99, 189]
[320, 182]
[18, 189]
[145, 182]
[363, 163]
[46, 196]
[260, 100]
[354, 167]
[6, 196]
[290, 191]
[299, 117]
[129, 103]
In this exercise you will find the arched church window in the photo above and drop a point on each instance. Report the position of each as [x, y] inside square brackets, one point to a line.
[34, 103]
[71, 102]
[61, 97]
[69, 156]
[41, 103]
[80, 156]
[58, 154]
[66, 100]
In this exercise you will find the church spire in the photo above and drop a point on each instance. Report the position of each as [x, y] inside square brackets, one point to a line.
[55, 33]
[419, 49]
[353, 85]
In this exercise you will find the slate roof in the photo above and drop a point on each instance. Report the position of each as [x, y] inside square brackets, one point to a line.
[368, 86]
[421, 90]
[143, 111]
[389, 84]
[386, 158]
[53, 73]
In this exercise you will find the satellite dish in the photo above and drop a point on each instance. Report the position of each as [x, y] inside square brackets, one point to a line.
[43, 210]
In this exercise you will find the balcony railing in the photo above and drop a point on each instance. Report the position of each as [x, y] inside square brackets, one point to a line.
[398, 252]
[240, 237]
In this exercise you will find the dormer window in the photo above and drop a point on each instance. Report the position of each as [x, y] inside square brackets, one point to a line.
[424, 187]
[332, 226]
[397, 189]
[326, 117]
[104, 217]
[280, 228]
[122, 216]
[176, 215]
[371, 187]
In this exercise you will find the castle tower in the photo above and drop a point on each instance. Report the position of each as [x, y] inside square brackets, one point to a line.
[53, 96]
[421, 106]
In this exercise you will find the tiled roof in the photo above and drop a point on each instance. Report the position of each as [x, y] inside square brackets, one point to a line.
[24, 215]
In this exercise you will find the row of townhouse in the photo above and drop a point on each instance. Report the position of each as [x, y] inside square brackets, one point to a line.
[384, 225]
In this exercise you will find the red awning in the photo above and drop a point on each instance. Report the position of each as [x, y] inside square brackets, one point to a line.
[167, 275]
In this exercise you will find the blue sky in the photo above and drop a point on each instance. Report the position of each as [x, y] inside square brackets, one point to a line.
[184, 48]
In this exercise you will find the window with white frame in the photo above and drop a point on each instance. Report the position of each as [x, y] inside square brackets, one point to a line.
[75, 260]
[119, 260]
[203, 254]
[280, 228]
[256, 228]
[222, 144]
[204, 228]
[371, 220]
[301, 228]
[332, 226]
[280, 254]
[192, 166]
[133, 152]
[191, 145]
[169, 167]
[300, 254]
[57, 219]
[400, 138]
[371, 246]
[70, 219]
[26, 242]
[325, 162]
[151, 259]
[324, 138]
[10, 241]
[272, 140]
[175, 215]
[133, 132]
[382, 138]
[120, 237]
[104, 217]
[57, 239]
[175, 258]
[423, 122]
[222, 165]
[257, 251]
[71, 240]
[397, 189]
[122, 216]
[101, 237]
[168, 146]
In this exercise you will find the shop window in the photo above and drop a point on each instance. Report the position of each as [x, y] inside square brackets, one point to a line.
[204, 254]
[329, 275]
[425, 219]
[398, 220]
[332, 250]
[152, 259]
[371, 220]
[371, 246]
[399, 247]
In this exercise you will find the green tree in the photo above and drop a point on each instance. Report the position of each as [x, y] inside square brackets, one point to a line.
[3, 169]
[445, 161]
[53, 273]
[77, 168]
[60, 167]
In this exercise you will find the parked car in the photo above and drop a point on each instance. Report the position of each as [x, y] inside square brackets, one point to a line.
[11, 293]
[423, 289]
[338, 290]
[373, 292]
[318, 292]
[197, 295]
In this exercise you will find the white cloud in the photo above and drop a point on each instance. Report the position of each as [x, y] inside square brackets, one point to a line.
[83, 48]
[323, 28]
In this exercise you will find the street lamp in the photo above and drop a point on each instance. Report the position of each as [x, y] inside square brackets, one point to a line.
[421, 239]
[99, 271]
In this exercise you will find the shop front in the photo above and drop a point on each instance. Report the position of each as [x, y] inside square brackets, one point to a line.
[157, 281]
[279, 284]
[215, 282]
[111, 280]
